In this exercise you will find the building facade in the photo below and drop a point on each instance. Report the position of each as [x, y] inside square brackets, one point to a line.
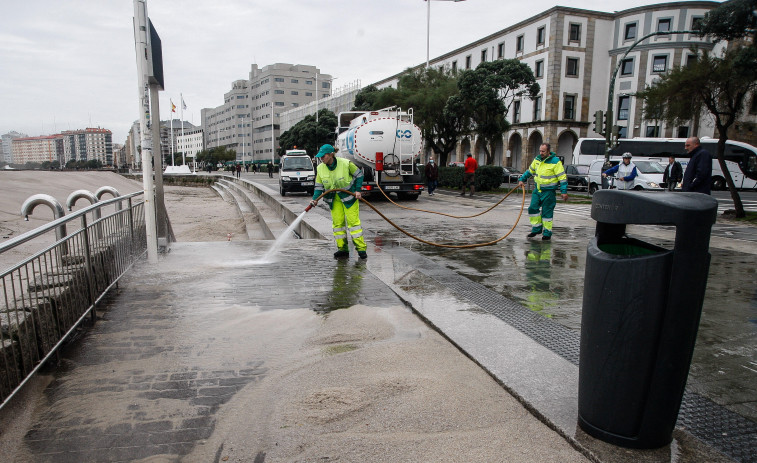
[191, 142]
[48, 148]
[7, 152]
[87, 145]
[249, 119]
[573, 54]
[342, 99]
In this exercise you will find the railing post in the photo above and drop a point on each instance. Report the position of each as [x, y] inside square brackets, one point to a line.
[90, 271]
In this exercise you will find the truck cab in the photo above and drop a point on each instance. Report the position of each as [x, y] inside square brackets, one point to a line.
[296, 173]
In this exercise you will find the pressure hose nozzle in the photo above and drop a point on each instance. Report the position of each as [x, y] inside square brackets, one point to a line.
[310, 206]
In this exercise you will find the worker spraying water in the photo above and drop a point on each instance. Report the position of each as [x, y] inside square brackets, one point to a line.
[340, 173]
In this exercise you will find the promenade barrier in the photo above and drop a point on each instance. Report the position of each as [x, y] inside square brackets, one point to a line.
[49, 294]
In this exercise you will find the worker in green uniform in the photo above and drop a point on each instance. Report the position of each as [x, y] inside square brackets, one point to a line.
[549, 174]
[341, 173]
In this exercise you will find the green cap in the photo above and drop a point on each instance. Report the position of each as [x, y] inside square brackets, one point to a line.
[325, 149]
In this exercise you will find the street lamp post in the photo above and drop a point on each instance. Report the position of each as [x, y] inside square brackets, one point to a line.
[428, 25]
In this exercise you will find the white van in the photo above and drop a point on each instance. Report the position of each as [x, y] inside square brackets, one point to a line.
[648, 174]
[296, 173]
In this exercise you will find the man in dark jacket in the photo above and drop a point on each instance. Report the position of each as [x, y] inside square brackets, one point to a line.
[432, 176]
[698, 175]
[673, 174]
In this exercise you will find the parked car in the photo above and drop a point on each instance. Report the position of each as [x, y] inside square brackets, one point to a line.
[649, 175]
[578, 176]
[511, 174]
[456, 164]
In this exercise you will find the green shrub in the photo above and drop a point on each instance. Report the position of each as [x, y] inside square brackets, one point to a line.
[487, 177]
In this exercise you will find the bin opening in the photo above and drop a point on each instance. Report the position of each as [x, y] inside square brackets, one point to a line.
[630, 247]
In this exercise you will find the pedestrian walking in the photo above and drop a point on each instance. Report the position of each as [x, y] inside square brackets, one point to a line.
[239, 170]
[333, 173]
[626, 172]
[469, 175]
[270, 169]
[432, 176]
[698, 175]
[549, 174]
[673, 174]
[246, 168]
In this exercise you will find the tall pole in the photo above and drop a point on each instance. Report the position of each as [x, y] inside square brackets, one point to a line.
[316, 98]
[171, 124]
[183, 157]
[428, 29]
[243, 128]
[141, 47]
[273, 136]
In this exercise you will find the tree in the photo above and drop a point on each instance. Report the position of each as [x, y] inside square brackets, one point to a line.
[488, 92]
[717, 85]
[216, 154]
[309, 135]
[732, 20]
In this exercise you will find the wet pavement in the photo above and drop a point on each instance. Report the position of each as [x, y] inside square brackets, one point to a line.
[155, 384]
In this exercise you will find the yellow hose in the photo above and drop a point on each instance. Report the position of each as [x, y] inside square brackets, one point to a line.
[442, 245]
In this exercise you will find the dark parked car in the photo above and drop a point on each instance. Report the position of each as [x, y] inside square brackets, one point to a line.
[511, 174]
[578, 176]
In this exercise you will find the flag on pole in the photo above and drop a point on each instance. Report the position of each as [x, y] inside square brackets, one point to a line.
[183, 105]
[173, 106]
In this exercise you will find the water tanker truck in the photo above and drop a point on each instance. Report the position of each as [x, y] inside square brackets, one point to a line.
[387, 145]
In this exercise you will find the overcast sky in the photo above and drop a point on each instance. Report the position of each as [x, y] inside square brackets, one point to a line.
[70, 64]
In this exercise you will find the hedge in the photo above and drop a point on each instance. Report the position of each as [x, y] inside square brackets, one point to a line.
[487, 177]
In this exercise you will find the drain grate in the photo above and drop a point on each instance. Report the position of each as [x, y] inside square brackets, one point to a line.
[723, 429]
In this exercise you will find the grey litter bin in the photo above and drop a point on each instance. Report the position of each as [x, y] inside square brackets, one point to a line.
[641, 310]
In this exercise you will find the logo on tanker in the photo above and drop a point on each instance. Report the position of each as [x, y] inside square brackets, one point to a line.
[350, 141]
[404, 134]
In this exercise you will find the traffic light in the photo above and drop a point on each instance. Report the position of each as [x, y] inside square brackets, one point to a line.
[599, 122]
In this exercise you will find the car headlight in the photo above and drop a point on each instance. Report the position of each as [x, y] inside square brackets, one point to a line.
[285, 179]
[653, 185]
[311, 177]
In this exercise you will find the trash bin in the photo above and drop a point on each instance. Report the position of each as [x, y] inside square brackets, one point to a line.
[641, 310]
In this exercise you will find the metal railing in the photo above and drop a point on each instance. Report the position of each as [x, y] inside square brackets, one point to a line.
[49, 294]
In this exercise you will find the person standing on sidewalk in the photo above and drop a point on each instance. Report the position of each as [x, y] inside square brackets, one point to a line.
[239, 170]
[469, 176]
[698, 175]
[432, 176]
[548, 173]
[340, 173]
[673, 174]
[270, 170]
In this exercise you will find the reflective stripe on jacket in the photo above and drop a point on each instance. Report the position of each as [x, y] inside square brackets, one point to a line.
[548, 174]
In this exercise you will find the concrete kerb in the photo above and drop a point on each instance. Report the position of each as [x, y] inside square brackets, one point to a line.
[269, 224]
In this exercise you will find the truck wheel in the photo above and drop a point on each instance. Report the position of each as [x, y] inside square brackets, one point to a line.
[282, 191]
[718, 183]
[592, 188]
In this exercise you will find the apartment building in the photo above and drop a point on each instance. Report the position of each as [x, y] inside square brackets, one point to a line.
[249, 119]
[191, 142]
[573, 54]
[87, 145]
[7, 140]
[37, 149]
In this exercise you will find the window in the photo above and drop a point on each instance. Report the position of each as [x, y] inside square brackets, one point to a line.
[483, 55]
[278, 92]
[324, 95]
[501, 50]
[540, 35]
[622, 132]
[696, 23]
[308, 82]
[467, 62]
[690, 60]
[663, 25]
[571, 67]
[295, 92]
[624, 105]
[626, 69]
[575, 33]
[516, 112]
[630, 31]
[537, 109]
[683, 132]
[569, 107]
[325, 85]
[295, 81]
[753, 106]
[660, 63]
[539, 71]
[454, 67]
[308, 93]
[279, 103]
[278, 79]
[519, 44]
[653, 131]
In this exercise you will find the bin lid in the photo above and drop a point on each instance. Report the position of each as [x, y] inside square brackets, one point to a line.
[632, 207]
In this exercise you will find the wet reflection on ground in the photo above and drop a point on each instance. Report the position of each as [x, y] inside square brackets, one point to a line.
[548, 278]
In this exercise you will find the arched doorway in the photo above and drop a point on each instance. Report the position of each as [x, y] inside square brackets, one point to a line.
[464, 149]
[499, 153]
[534, 142]
[516, 151]
[565, 144]
[479, 154]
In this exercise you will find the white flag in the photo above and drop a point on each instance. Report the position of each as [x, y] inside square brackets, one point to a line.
[183, 105]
